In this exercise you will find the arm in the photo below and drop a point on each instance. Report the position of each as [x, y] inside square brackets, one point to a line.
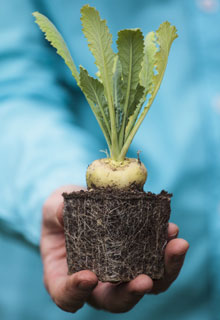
[41, 146]
[39, 152]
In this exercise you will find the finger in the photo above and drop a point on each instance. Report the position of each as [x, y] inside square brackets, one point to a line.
[173, 231]
[52, 218]
[59, 214]
[71, 292]
[60, 205]
[141, 285]
[121, 298]
[174, 257]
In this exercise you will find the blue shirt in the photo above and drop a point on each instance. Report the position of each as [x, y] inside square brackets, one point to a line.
[49, 136]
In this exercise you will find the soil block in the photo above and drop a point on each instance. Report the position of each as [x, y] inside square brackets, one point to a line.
[117, 235]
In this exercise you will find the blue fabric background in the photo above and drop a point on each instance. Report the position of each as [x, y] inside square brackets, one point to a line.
[49, 136]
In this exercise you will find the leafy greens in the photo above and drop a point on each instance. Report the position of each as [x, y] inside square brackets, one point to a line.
[125, 80]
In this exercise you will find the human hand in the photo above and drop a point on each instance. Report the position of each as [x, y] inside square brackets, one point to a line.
[71, 292]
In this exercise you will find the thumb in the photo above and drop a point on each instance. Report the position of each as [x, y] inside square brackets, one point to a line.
[59, 214]
[72, 292]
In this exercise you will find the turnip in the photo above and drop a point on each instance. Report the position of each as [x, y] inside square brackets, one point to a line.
[120, 97]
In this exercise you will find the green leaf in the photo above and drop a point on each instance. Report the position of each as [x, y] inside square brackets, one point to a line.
[135, 109]
[165, 36]
[117, 92]
[130, 51]
[139, 99]
[146, 76]
[56, 40]
[94, 92]
[100, 42]
[149, 61]
[91, 87]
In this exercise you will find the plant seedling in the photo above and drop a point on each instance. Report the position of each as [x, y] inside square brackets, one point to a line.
[125, 80]
[120, 97]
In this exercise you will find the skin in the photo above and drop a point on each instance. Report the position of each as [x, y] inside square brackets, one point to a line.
[71, 292]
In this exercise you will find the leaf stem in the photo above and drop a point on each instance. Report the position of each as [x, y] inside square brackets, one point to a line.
[103, 113]
[140, 120]
[133, 119]
[106, 134]
[122, 131]
[114, 149]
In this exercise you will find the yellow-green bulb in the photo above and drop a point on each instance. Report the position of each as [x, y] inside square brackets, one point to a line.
[108, 173]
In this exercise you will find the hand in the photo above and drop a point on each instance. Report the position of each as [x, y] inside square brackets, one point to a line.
[70, 292]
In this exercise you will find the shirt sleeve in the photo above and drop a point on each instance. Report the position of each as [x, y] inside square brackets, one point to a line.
[41, 144]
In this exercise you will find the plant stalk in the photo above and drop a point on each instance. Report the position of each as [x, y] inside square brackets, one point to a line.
[106, 135]
[122, 131]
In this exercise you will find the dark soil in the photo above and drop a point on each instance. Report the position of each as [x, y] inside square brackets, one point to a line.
[118, 235]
